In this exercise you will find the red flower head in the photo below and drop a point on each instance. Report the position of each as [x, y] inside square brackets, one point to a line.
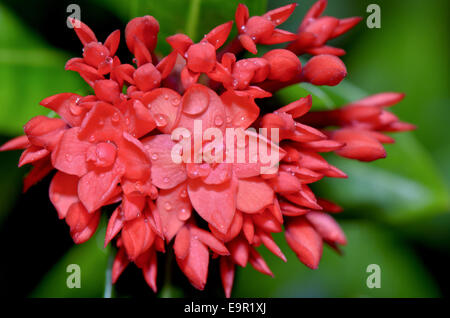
[183, 162]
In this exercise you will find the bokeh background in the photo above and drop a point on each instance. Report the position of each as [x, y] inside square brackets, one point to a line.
[397, 211]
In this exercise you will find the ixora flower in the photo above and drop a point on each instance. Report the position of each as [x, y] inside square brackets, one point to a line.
[115, 148]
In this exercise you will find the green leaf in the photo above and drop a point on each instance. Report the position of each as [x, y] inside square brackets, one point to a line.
[93, 261]
[402, 274]
[31, 71]
[192, 17]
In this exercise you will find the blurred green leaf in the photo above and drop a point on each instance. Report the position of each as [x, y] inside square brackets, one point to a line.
[402, 274]
[93, 261]
[31, 71]
[173, 15]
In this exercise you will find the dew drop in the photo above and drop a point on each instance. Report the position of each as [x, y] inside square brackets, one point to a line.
[115, 117]
[92, 138]
[218, 120]
[166, 180]
[167, 206]
[175, 101]
[183, 214]
[154, 156]
[160, 120]
[68, 157]
[183, 194]
[166, 97]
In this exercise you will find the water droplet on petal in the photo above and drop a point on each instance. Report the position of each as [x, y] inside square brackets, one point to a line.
[166, 180]
[175, 101]
[92, 138]
[183, 214]
[183, 194]
[160, 120]
[154, 156]
[68, 157]
[218, 120]
[115, 117]
[167, 206]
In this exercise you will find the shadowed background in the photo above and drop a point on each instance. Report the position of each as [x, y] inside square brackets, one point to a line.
[396, 210]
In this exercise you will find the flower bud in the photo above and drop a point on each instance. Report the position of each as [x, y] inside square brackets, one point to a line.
[324, 70]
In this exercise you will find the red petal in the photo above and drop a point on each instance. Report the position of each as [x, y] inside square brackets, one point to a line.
[227, 274]
[182, 243]
[112, 42]
[134, 157]
[20, 142]
[209, 240]
[359, 145]
[174, 209]
[285, 182]
[248, 43]
[44, 132]
[165, 173]
[241, 16]
[84, 33]
[150, 270]
[164, 104]
[115, 224]
[104, 122]
[195, 264]
[180, 43]
[380, 100]
[327, 227]
[219, 34]
[144, 29]
[216, 204]
[67, 106]
[40, 170]
[195, 99]
[32, 154]
[279, 15]
[253, 195]
[137, 237]
[240, 111]
[267, 240]
[298, 108]
[96, 188]
[304, 241]
[82, 224]
[63, 192]
[259, 263]
[120, 263]
[239, 250]
[69, 155]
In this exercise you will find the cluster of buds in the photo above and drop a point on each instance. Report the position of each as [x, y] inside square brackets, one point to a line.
[114, 148]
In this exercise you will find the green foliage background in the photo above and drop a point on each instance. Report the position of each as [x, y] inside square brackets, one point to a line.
[396, 210]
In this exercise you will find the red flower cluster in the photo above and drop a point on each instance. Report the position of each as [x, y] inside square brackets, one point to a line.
[113, 148]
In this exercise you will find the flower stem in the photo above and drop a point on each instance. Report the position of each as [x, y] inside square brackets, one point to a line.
[108, 275]
[192, 18]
